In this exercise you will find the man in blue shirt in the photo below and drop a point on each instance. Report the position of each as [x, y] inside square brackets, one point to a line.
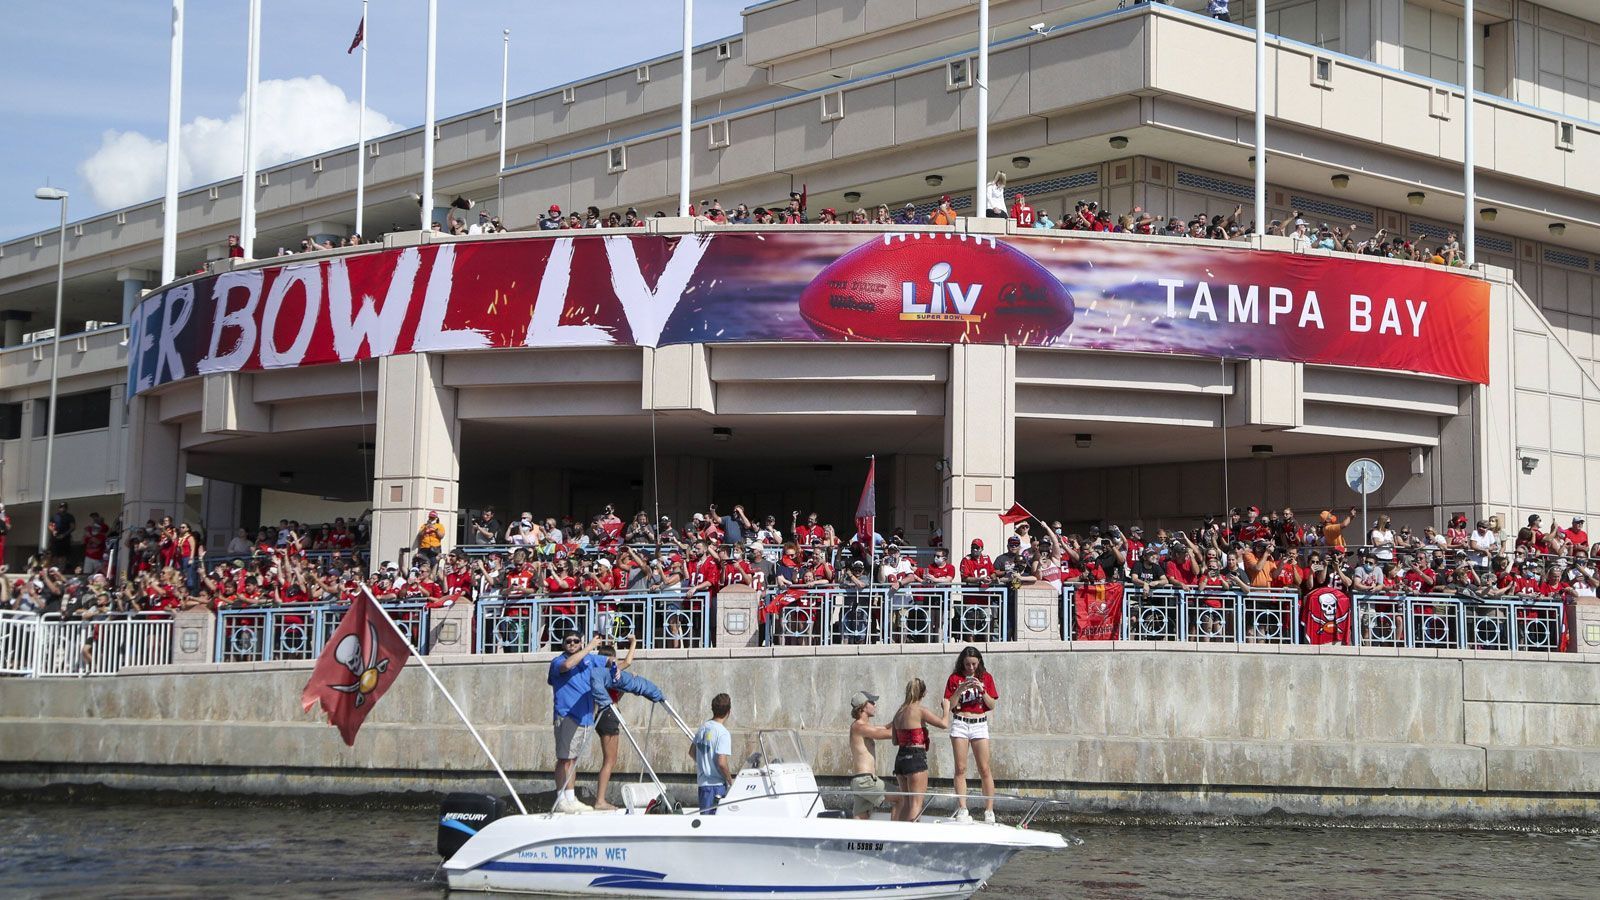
[712, 747]
[569, 680]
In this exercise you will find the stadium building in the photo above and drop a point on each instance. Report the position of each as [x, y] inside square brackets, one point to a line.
[688, 363]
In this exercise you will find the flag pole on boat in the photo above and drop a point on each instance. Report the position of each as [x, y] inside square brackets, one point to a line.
[422, 661]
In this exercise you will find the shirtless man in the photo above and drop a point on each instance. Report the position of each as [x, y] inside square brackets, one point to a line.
[866, 786]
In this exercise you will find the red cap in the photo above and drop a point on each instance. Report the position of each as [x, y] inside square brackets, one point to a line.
[554, 208]
[977, 542]
[433, 514]
[1256, 510]
[945, 199]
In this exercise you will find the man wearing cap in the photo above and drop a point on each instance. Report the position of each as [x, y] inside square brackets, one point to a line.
[908, 216]
[976, 567]
[866, 788]
[945, 214]
[551, 221]
[1576, 537]
[430, 537]
[1021, 211]
[1301, 236]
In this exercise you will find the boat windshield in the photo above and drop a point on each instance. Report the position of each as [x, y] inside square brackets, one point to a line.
[777, 746]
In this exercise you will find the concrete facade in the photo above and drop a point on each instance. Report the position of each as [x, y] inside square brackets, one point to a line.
[1202, 728]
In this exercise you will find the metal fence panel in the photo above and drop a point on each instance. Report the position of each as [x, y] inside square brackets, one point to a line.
[978, 615]
[1436, 622]
[1380, 621]
[529, 624]
[1269, 616]
[1213, 615]
[917, 615]
[1539, 626]
[1153, 615]
[102, 646]
[19, 636]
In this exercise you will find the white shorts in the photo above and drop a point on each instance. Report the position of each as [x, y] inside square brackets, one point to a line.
[972, 731]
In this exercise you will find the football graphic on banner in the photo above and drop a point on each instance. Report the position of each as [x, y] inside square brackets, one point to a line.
[937, 288]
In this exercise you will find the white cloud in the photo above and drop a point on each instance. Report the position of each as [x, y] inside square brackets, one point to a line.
[295, 117]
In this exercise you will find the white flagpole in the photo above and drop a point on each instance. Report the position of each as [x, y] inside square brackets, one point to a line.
[169, 214]
[505, 68]
[980, 196]
[1469, 220]
[684, 113]
[361, 130]
[1261, 117]
[428, 112]
[247, 186]
[422, 661]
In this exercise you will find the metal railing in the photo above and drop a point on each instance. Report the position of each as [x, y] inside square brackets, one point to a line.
[274, 633]
[538, 623]
[47, 645]
[1452, 623]
[1274, 616]
[821, 616]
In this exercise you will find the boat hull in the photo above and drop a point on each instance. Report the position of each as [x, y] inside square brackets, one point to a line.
[735, 856]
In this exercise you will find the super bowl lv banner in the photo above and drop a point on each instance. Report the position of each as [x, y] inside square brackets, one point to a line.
[643, 290]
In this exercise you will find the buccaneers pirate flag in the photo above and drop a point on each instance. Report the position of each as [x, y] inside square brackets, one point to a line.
[1098, 610]
[1327, 616]
[363, 657]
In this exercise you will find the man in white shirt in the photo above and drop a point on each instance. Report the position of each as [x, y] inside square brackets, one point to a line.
[1484, 543]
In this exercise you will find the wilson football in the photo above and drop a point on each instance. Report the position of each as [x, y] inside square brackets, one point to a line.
[937, 288]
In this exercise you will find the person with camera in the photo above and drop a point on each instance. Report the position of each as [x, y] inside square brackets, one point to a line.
[971, 694]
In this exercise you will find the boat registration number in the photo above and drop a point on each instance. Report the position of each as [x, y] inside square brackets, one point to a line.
[866, 846]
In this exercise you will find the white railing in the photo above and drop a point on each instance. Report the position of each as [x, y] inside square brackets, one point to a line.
[42, 646]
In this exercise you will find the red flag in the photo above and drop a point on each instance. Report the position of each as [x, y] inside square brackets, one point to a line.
[361, 36]
[867, 508]
[1015, 514]
[1327, 616]
[1098, 610]
[363, 657]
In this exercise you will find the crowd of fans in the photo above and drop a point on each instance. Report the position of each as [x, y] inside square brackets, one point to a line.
[168, 565]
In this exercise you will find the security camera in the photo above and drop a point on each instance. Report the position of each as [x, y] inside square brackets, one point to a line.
[1038, 28]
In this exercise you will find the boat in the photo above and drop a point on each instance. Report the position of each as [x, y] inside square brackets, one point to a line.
[772, 836]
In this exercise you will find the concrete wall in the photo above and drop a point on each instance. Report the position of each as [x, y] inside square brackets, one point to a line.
[1108, 726]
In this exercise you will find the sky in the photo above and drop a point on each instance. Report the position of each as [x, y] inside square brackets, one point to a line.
[83, 105]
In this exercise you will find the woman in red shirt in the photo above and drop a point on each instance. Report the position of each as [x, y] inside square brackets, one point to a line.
[971, 695]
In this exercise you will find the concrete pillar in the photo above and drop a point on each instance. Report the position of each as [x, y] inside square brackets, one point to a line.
[154, 469]
[417, 461]
[220, 505]
[685, 486]
[12, 323]
[979, 444]
[133, 281]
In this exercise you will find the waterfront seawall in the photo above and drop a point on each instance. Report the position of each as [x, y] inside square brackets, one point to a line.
[1210, 729]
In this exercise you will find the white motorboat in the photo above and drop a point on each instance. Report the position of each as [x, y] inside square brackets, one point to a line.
[770, 837]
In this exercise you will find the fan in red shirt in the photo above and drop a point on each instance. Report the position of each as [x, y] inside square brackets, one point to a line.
[1576, 536]
[971, 693]
[977, 568]
[1021, 212]
[809, 532]
[940, 571]
[1254, 528]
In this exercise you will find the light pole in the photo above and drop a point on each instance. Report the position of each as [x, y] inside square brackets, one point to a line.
[48, 193]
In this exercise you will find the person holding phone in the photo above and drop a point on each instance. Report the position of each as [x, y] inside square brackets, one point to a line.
[971, 694]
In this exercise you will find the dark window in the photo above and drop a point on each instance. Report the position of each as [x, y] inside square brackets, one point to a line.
[10, 421]
[77, 412]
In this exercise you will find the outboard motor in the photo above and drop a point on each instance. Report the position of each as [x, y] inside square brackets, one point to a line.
[463, 815]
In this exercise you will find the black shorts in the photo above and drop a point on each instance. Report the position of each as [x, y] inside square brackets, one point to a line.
[607, 724]
[911, 760]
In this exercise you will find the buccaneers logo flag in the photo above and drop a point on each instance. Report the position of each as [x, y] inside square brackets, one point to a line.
[362, 658]
[1326, 612]
[1098, 609]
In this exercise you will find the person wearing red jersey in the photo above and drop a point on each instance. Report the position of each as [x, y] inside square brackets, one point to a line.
[1021, 212]
[458, 579]
[740, 571]
[94, 545]
[808, 532]
[939, 572]
[976, 567]
[971, 695]
[1254, 528]
[1291, 574]
[1532, 538]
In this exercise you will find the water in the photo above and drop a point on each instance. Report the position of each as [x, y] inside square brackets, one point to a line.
[129, 849]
